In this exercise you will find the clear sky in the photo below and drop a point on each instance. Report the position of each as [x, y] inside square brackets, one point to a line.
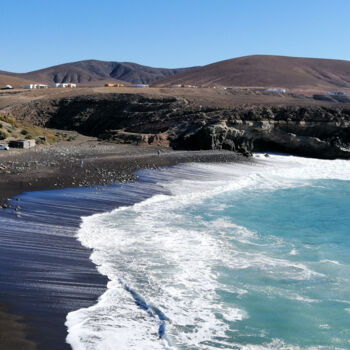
[168, 33]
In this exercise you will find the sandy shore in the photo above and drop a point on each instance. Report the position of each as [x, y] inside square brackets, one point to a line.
[87, 162]
[28, 318]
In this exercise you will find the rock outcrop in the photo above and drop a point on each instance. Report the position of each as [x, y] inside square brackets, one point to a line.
[322, 132]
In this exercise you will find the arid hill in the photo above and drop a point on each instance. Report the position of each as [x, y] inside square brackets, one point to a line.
[268, 71]
[15, 82]
[250, 71]
[90, 71]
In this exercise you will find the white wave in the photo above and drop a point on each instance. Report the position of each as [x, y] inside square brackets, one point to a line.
[234, 315]
[306, 300]
[278, 344]
[324, 326]
[293, 252]
[330, 261]
[136, 254]
[162, 268]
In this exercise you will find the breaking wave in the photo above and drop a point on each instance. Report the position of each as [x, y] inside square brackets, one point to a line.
[184, 272]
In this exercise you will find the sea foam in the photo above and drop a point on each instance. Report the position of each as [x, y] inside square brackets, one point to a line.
[164, 262]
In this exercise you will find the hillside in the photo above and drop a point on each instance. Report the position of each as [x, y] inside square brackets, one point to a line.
[13, 81]
[90, 71]
[268, 71]
[250, 71]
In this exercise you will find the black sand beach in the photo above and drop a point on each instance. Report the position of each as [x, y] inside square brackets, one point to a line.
[88, 163]
[45, 272]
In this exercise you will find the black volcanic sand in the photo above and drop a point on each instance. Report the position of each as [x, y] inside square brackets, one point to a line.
[86, 164]
[44, 271]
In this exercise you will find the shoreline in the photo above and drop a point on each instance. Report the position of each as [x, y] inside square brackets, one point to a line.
[25, 206]
[131, 245]
[89, 163]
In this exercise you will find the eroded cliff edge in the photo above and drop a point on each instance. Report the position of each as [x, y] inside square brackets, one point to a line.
[314, 131]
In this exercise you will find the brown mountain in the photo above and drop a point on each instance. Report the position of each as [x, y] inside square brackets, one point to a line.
[268, 71]
[90, 71]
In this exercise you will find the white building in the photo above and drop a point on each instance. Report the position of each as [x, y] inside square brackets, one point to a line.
[64, 85]
[140, 85]
[281, 91]
[22, 143]
[35, 86]
[336, 93]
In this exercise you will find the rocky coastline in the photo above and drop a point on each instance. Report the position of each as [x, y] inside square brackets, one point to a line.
[320, 131]
[172, 130]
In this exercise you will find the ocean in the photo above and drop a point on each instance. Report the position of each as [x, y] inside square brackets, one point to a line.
[223, 256]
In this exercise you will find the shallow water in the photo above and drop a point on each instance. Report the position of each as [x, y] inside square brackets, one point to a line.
[229, 256]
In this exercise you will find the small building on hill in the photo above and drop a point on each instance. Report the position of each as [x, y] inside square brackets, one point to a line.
[278, 90]
[35, 86]
[7, 87]
[140, 85]
[64, 85]
[336, 93]
[22, 143]
[114, 85]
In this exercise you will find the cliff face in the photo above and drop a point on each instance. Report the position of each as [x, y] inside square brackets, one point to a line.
[314, 133]
[307, 131]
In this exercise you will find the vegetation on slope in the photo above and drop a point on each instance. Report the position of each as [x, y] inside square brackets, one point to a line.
[10, 129]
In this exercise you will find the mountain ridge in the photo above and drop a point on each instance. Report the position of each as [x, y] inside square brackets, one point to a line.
[260, 71]
[89, 71]
[267, 71]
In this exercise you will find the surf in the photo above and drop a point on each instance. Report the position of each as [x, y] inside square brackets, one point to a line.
[181, 265]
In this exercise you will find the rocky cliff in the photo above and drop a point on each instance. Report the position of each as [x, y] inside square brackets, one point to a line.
[322, 132]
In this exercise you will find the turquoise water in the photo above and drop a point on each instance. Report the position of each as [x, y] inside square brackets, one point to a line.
[307, 225]
[247, 257]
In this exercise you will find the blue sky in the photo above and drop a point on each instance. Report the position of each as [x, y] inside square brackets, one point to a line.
[168, 33]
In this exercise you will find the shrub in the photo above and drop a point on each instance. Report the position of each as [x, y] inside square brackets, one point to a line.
[5, 118]
[3, 135]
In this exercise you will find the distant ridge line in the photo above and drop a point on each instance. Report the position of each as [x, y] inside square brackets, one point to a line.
[267, 71]
[249, 71]
[91, 71]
